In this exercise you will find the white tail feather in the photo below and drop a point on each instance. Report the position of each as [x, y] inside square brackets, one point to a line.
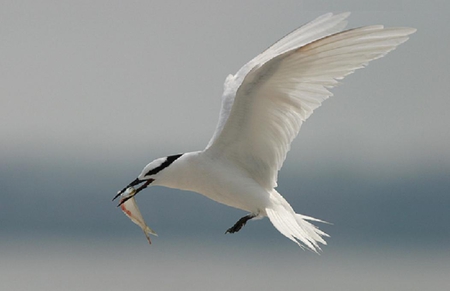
[294, 226]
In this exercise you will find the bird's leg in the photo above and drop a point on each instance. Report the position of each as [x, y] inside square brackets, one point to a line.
[240, 223]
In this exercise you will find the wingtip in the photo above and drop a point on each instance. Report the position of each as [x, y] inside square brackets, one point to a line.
[344, 14]
[410, 30]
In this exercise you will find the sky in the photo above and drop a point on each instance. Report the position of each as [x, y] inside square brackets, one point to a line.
[91, 80]
[91, 91]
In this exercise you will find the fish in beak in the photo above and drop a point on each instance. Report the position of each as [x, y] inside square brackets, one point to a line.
[129, 207]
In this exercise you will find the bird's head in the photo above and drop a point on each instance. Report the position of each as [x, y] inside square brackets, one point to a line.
[148, 175]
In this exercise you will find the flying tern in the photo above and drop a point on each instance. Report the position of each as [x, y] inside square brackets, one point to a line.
[263, 107]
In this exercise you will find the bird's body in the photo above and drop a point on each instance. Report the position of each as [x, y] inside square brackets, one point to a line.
[216, 178]
[263, 107]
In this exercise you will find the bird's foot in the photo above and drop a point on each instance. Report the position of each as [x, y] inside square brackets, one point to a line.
[240, 223]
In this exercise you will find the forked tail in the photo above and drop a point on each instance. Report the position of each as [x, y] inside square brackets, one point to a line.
[294, 226]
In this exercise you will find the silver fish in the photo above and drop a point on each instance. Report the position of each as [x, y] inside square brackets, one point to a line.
[130, 208]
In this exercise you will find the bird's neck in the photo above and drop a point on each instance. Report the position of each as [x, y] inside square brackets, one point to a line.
[182, 173]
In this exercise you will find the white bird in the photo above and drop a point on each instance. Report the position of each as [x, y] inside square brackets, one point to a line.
[263, 107]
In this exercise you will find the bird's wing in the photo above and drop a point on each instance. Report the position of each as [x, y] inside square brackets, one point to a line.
[276, 97]
[322, 26]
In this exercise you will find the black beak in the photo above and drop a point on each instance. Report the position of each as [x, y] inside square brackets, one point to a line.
[134, 183]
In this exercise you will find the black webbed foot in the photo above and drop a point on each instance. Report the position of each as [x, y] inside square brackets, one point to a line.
[240, 223]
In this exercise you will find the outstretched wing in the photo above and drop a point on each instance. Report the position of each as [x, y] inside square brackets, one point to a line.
[276, 96]
[322, 26]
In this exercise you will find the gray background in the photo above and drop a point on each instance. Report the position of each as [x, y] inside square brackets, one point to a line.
[91, 91]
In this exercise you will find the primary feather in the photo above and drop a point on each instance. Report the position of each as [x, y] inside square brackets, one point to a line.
[318, 28]
[276, 97]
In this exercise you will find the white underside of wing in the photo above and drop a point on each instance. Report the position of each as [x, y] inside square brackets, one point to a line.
[322, 26]
[276, 97]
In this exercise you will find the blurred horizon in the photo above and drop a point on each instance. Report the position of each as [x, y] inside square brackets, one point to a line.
[375, 208]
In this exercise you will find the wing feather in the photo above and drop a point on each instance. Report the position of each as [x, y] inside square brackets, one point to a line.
[276, 97]
[324, 25]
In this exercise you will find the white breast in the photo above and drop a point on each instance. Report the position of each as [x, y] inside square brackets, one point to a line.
[217, 179]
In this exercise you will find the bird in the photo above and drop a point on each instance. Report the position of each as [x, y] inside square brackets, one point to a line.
[263, 107]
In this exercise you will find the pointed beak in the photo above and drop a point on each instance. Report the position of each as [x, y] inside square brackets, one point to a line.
[132, 184]
[133, 191]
